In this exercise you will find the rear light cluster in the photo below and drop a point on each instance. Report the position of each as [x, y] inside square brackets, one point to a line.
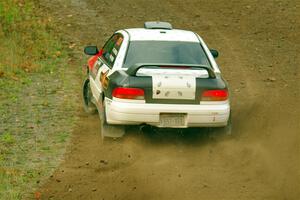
[139, 94]
[129, 93]
[214, 95]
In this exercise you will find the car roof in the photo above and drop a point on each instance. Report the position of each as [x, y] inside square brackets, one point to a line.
[143, 34]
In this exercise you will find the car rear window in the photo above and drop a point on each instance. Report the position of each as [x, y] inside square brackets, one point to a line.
[165, 52]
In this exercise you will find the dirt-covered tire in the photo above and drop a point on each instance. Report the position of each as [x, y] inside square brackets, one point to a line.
[108, 130]
[88, 105]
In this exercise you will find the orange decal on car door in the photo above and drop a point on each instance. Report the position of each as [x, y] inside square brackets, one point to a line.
[104, 79]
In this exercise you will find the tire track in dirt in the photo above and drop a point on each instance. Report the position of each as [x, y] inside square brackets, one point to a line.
[169, 165]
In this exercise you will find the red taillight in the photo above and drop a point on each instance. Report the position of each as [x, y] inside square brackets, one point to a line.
[129, 93]
[214, 95]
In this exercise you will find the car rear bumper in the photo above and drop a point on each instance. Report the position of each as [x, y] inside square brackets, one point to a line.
[202, 115]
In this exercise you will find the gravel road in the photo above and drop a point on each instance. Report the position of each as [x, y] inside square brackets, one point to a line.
[259, 47]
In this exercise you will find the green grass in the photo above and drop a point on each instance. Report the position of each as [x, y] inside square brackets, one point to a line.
[27, 44]
[35, 119]
[7, 139]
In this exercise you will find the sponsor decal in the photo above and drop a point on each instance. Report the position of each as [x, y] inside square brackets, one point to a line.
[111, 57]
[115, 51]
[104, 79]
[96, 68]
[173, 87]
[92, 61]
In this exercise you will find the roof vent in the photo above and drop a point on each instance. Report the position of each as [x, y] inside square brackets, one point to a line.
[158, 25]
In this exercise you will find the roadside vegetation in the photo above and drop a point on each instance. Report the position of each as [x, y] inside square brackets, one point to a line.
[36, 98]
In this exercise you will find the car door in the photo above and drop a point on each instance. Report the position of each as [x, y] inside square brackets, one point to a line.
[105, 63]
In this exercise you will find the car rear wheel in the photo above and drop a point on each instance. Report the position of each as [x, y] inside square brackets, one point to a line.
[87, 95]
[109, 130]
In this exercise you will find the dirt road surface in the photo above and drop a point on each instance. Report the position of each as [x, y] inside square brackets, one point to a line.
[259, 45]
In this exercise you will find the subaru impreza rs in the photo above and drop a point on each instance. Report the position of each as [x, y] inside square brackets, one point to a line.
[155, 75]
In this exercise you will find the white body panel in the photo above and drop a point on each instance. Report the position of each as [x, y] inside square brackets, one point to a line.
[120, 111]
[95, 84]
[138, 34]
[173, 87]
[200, 73]
[122, 52]
[155, 35]
[209, 55]
[202, 115]
[95, 90]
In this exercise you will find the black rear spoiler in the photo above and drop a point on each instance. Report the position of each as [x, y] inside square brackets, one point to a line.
[133, 69]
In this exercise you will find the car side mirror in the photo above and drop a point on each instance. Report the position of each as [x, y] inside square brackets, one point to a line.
[214, 53]
[91, 50]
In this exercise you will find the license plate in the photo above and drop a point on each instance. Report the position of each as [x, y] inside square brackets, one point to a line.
[172, 120]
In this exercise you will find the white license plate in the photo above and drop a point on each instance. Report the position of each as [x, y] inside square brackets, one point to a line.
[172, 120]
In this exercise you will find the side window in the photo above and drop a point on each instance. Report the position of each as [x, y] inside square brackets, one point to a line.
[111, 49]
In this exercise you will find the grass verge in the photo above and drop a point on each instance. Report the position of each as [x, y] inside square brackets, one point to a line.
[36, 98]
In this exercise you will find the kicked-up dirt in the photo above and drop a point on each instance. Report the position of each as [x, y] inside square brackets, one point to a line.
[259, 45]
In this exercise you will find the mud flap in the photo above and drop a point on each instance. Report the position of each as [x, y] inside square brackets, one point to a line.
[107, 130]
[112, 131]
[228, 130]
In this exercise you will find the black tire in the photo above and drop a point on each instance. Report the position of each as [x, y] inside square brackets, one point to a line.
[109, 130]
[87, 95]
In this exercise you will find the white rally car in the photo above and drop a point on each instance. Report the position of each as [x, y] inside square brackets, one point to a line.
[155, 75]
